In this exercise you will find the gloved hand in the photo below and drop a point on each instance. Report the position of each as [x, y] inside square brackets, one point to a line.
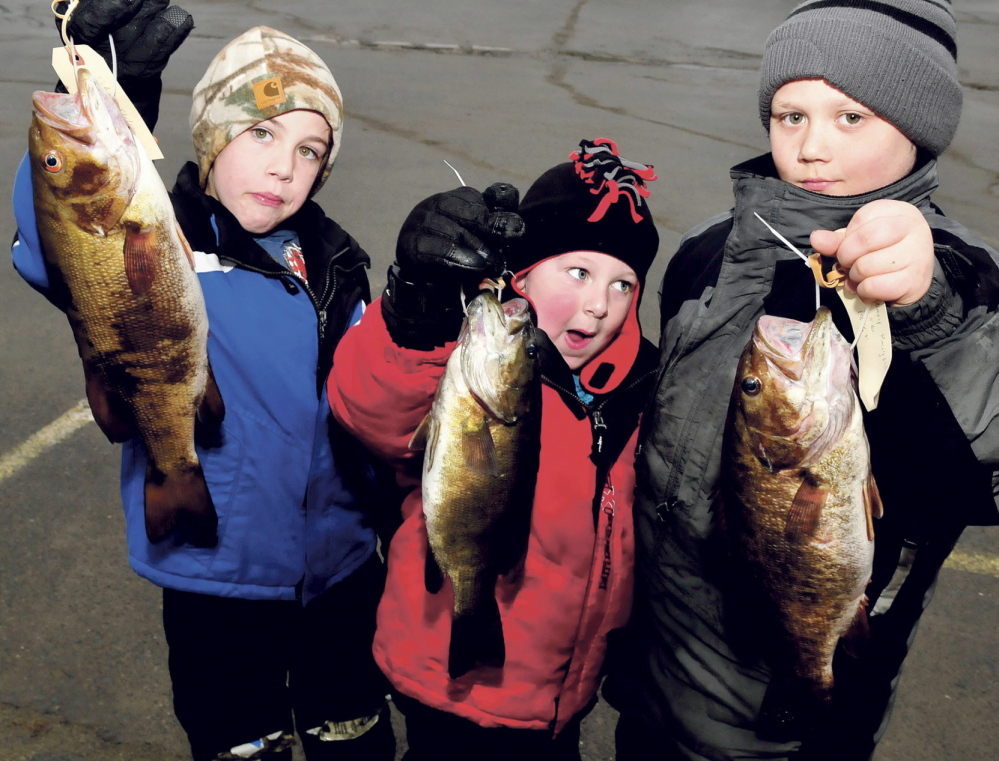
[145, 33]
[449, 242]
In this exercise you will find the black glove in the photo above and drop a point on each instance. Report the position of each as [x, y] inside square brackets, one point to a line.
[449, 242]
[145, 32]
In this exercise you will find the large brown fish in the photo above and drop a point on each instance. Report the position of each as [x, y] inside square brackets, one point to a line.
[124, 273]
[482, 440]
[798, 498]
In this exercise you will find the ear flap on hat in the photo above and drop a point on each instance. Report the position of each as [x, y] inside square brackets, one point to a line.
[609, 368]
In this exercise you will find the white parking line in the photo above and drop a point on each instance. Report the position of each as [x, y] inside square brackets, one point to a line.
[58, 430]
[974, 562]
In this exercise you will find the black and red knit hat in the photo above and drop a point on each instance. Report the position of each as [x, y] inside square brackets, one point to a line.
[595, 202]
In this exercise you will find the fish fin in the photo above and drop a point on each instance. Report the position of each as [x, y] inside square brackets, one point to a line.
[806, 509]
[111, 414]
[433, 577]
[141, 259]
[855, 638]
[180, 502]
[479, 450]
[186, 246]
[211, 411]
[476, 638]
[873, 507]
[423, 433]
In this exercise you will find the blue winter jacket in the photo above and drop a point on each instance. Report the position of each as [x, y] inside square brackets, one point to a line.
[293, 516]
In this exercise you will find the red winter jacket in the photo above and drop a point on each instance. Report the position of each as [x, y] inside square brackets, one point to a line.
[577, 583]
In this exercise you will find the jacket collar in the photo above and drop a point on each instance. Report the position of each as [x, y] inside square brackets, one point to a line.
[321, 238]
[795, 212]
[556, 374]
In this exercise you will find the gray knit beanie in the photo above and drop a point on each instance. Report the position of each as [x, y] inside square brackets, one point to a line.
[897, 57]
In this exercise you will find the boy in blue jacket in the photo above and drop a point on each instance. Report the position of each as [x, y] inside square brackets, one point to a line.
[269, 627]
[859, 98]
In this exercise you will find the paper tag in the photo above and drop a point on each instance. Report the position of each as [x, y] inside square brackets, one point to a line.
[90, 59]
[873, 345]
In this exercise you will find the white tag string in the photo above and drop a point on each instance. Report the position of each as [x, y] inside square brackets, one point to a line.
[791, 246]
[114, 63]
[70, 46]
[455, 173]
[64, 18]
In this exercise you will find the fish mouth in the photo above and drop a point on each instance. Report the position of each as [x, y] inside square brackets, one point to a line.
[790, 346]
[65, 114]
[485, 313]
[503, 339]
[86, 116]
[815, 359]
[89, 125]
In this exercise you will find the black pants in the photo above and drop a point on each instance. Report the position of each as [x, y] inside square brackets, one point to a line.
[434, 735]
[242, 668]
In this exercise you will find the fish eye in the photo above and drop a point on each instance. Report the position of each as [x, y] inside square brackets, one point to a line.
[52, 161]
[751, 385]
[532, 351]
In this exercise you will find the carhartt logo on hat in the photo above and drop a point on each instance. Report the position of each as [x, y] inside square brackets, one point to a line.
[268, 92]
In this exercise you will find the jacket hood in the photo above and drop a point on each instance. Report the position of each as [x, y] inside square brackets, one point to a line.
[795, 212]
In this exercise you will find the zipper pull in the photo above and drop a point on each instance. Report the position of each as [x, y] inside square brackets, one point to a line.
[322, 322]
[599, 425]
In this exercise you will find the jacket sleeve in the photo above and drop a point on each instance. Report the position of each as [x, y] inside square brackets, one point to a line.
[964, 365]
[381, 392]
[27, 247]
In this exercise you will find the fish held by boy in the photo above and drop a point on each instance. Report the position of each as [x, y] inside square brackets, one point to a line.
[482, 442]
[124, 273]
[799, 498]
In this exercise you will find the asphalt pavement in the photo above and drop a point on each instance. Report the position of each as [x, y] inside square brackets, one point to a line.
[502, 91]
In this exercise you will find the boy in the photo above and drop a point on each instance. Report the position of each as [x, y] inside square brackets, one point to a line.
[275, 619]
[588, 240]
[859, 98]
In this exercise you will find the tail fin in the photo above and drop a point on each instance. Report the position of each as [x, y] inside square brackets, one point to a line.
[477, 637]
[180, 502]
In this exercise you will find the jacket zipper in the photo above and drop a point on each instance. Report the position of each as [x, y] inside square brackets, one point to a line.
[330, 278]
[597, 420]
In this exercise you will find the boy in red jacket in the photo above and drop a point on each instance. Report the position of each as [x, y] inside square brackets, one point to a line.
[588, 240]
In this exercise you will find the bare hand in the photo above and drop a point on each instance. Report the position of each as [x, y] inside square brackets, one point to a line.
[887, 251]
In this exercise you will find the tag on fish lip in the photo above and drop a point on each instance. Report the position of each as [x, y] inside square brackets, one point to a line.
[91, 60]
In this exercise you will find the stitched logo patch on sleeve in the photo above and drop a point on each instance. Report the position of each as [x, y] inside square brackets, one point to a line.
[268, 92]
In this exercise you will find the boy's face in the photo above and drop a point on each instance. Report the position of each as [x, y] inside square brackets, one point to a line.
[824, 141]
[582, 299]
[265, 173]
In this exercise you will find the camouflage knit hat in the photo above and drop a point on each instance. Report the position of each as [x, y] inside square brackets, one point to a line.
[259, 75]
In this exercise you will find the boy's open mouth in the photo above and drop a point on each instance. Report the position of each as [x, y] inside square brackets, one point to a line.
[577, 339]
